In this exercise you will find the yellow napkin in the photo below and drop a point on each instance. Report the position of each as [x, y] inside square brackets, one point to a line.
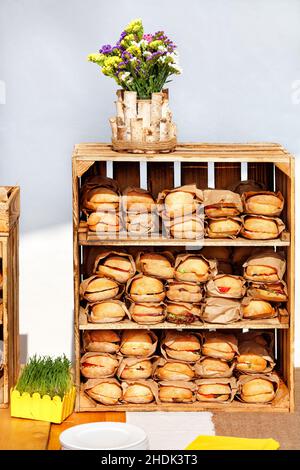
[231, 443]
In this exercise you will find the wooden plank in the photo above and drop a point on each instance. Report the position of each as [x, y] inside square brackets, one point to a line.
[22, 434]
[227, 174]
[82, 418]
[160, 176]
[262, 172]
[194, 173]
[127, 174]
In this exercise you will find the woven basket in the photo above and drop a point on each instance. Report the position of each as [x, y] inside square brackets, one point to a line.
[145, 147]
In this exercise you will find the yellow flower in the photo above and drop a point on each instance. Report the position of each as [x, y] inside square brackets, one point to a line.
[135, 26]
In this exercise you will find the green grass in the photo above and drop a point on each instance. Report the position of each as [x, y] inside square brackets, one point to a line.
[46, 376]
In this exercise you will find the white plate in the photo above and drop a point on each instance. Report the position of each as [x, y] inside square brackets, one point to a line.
[104, 436]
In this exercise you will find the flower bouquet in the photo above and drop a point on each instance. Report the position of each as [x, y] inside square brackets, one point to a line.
[141, 64]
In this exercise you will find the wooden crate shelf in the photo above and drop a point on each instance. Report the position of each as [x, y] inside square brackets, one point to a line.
[9, 263]
[209, 165]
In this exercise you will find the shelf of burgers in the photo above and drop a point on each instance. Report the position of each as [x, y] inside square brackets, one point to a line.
[135, 367]
[186, 212]
[154, 287]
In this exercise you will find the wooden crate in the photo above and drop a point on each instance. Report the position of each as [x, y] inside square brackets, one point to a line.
[208, 165]
[9, 320]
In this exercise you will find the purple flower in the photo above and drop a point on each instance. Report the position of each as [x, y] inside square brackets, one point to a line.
[154, 55]
[106, 49]
[126, 55]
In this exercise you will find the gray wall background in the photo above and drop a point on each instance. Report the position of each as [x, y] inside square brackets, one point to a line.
[240, 60]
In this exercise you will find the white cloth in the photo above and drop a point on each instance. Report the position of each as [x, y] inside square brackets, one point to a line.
[172, 430]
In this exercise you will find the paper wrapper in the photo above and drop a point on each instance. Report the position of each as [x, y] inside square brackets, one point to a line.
[91, 383]
[190, 311]
[147, 305]
[222, 198]
[224, 234]
[151, 351]
[145, 296]
[131, 361]
[92, 319]
[252, 236]
[212, 271]
[180, 384]
[161, 361]
[274, 260]
[137, 207]
[87, 341]
[142, 224]
[190, 226]
[105, 254]
[203, 373]
[86, 282]
[254, 287]
[253, 348]
[169, 339]
[187, 209]
[241, 187]
[213, 291]
[211, 336]
[243, 379]
[263, 338]
[140, 266]
[247, 300]
[105, 221]
[93, 354]
[249, 194]
[93, 184]
[177, 291]
[225, 381]
[147, 383]
[219, 310]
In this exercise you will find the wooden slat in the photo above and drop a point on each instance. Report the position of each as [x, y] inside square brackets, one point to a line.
[194, 173]
[160, 177]
[127, 174]
[262, 172]
[227, 174]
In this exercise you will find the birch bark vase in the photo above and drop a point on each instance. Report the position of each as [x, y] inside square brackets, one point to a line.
[143, 126]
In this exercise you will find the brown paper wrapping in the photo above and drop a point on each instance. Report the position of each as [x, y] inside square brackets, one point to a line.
[264, 338]
[91, 318]
[229, 338]
[274, 260]
[193, 310]
[210, 234]
[220, 197]
[250, 235]
[141, 268]
[189, 188]
[105, 221]
[131, 361]
[247, 300]
[93, 184]
[148, 383]
[85, 283]
[147, 304]
[141, 224]
[87, 340]
[212, 263]
[161, 361]
[105, 254]
[180, 384]
[200, 370]
[181, 294]
[219, 310]
[190, 226]
[138, 208]
[253, 348]
[137, 276]
[168, 339]
[252, 291]
[91, 383]
[247, 378]
[249, 194]
[226, 381]
[241, 187]
[93, 354]
[212, 290]
[152, 350]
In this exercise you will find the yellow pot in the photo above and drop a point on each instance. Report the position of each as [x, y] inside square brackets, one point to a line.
[54, 410]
